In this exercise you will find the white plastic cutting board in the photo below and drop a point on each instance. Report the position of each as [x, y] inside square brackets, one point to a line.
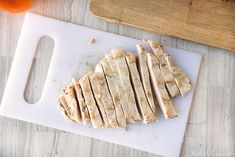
[71, 57]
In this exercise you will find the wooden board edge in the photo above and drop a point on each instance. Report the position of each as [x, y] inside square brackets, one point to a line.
[117, 20]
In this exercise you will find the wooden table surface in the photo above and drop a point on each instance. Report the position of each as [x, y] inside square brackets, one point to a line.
[211, 125]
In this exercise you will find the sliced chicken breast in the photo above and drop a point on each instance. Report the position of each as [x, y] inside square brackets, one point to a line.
[119, 57]
[63, 107]
[123, 99]
[111, 79]
[145, 109]
[81, 102]
[71, 100]
[103, 97]
[169, 80]
[182, 80]
[166, 73]
[95, 116]
[159, 87]
[97, 95]
[145, 78]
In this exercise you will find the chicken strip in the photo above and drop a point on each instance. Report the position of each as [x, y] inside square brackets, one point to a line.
[183, 82]
[145, 109]
[124, 100]
[97, 95]
[119, 57]
[71, 100]
[63, 107]
[103, 97]
[111, 79]
[81, 102]
[145, 78]
[95, 116]
[159, 87]
[166, 73]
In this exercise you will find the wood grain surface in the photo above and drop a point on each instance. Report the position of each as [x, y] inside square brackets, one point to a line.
[211, 22]
[211, 125]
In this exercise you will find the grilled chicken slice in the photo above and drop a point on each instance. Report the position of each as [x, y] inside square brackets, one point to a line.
[63, 107]
[97, 95]
[95, 116]
[81, 102]
[159, 87]
[145, 78]
[166, 72]
[123, 99]
[169, 80]
[71, 100]
[119, 57]
[103, 97]
[111, 79]
[145, 109]
[181, 79]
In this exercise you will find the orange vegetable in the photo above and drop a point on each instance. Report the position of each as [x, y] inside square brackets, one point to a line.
[15, 6]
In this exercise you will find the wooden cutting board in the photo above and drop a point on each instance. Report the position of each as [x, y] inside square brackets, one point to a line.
[210, 22]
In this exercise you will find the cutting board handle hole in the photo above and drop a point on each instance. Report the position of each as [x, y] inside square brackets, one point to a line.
[38, 70]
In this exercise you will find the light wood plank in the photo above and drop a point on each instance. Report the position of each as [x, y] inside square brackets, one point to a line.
[218, 137]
